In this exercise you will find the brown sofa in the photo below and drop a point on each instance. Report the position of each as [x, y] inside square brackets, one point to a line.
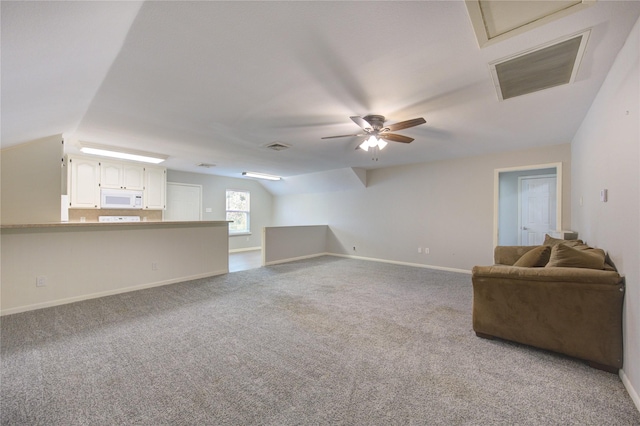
[575, 310]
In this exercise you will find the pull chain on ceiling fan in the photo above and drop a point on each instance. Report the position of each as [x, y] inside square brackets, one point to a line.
[377, 134]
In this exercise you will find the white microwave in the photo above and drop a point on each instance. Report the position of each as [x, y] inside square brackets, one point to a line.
[120, 199]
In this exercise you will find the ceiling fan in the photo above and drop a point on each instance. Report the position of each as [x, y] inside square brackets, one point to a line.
[377, 134]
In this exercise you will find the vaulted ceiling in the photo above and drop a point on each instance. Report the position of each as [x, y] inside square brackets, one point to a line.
[215, 82]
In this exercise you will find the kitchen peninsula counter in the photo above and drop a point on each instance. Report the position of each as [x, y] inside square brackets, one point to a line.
[48, 264]
[111, 224]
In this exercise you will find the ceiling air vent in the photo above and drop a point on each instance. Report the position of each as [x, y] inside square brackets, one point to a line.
[538, 69]
[494, 21]
[206, 165]
[277, 146]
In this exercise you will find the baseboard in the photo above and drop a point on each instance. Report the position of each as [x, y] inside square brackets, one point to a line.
[395, 262]
[65, 301]
[371, 259]
[293, 259]
[630, 389]
[245, 249]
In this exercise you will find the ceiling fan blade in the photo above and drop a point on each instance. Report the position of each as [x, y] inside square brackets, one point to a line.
[395, 138]
[341, 136]
[362, 122]
[405, 124]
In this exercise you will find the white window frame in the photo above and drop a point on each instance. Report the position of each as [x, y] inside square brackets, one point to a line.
[247, 212]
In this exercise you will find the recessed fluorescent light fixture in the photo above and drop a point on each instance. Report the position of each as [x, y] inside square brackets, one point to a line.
[261, 176]
[123, 154]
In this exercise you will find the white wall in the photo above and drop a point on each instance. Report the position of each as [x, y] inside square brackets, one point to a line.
[31, 179]
[605, 154]
[214, 197]
[446, 206]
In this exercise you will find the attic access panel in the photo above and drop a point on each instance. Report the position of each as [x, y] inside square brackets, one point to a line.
[544, 67]
[494, 21]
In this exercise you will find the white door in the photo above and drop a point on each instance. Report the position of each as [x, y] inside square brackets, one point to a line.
[537, 208]
[184, 202]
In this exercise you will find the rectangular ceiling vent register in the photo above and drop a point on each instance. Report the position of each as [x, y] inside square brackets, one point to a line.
[277, 146]
[541, 68]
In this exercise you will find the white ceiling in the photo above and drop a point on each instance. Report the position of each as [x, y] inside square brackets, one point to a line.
[213, 82]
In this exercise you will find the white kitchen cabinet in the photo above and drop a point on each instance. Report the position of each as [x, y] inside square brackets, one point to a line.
[155, 187]
[83, 183]
[121, 175]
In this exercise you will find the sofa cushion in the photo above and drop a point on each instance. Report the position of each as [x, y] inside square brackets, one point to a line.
[564, 256]
[535, 258]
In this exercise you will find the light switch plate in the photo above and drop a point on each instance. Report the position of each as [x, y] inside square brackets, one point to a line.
[603, 195]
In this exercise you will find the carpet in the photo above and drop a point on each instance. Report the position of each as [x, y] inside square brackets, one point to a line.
[321, 341]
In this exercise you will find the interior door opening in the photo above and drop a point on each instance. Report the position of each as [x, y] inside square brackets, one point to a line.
[537, 206]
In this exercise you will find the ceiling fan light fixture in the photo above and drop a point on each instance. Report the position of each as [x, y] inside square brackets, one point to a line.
[372, 142]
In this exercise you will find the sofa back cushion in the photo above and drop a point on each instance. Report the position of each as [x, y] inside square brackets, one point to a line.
[550, 241]
[535, 258]
[508, 255]
[564, 256]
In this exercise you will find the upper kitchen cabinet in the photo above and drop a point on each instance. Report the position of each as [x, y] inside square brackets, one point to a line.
[121, 175]
[83, 182]
[155, 184]
[86, 176]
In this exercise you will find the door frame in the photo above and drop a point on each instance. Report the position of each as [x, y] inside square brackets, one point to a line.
[496, 192]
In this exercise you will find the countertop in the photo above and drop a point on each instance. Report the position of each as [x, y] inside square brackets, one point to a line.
[63, 225]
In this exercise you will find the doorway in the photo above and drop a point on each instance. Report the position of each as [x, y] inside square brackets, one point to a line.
[184, 202]
[527, 197]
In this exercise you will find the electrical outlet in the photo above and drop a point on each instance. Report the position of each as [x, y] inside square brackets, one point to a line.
[426, 250]
[154, 266]
[354, 248]
[41, 281]
[419, 249]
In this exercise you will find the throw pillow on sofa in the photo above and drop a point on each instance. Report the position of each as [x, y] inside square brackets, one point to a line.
[564, 256]
[535, 258]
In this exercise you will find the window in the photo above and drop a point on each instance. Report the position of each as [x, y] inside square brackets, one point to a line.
[238, 210]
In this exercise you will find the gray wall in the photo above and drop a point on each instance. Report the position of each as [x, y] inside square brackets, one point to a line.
[214, 197]
[606, 155]
[287, 243]
[445, 206]
[31, 179]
